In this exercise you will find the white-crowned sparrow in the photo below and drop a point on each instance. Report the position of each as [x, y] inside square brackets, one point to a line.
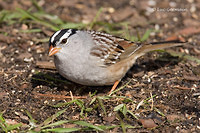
[95, 58]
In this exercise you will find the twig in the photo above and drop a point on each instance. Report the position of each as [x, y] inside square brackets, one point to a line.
[72, 97]
[45, 65]
[182, 88]
[57, 97]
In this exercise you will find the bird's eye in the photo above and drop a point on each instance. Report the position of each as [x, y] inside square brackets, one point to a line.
[64, 40]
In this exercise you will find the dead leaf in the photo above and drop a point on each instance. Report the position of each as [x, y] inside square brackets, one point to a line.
[189, 31]
[148, 123]
[184, 32]
[109, 118]
[175, 37]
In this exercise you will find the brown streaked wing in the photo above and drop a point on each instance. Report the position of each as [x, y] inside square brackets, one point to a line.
[111, 49]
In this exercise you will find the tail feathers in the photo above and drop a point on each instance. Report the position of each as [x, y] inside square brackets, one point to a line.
[159, 45]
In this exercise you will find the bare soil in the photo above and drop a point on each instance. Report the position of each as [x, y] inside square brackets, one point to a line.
[173, 81]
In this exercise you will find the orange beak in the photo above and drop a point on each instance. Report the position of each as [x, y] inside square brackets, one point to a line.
[53, 50]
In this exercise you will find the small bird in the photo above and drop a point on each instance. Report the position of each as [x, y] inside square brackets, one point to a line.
[95, 58]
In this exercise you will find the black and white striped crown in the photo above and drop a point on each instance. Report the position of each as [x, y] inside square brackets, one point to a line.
[61, 34]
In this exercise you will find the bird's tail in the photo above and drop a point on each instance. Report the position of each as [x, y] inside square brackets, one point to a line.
[159, 45]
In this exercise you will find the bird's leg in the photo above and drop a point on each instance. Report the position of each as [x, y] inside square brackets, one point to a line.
[114, 86]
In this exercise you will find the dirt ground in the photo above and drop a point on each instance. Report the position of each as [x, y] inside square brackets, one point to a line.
[171, 81]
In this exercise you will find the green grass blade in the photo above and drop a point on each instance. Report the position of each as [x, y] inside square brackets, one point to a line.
[121, 123]
[30, 30]
[1, 118]
[51, 18]
[184, 56]
[13, 127]
[9, 17]
[50, 119]
[2, 16]
[27, 14]
[101, 105]
[62, 130]
[108, 127]
[34, 2]
[132, 127]
[83, 123]
[118, 107]
[33, 121]
[124, 110]
[147, 99]
[3, 125]
[131, 113]
[95, 18]
[146, 35]
[92, 101]
[72, 25]
[55, 124]
[79, 102]
[159, 112]
[63, 104]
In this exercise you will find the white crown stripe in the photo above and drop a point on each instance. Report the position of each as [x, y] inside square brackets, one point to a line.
[66, 35]
[55, 34]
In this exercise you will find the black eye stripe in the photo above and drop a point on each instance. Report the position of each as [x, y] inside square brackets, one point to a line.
[62, 32]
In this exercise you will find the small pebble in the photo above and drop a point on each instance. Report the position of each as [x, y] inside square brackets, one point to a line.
[172, 4]
[157, 27]
[31, 43]
[24, 27]
[152, 34]
[33, 71]
[175, 19]
[18, 100]
[46, 102]
[187, 51]
[111, 10]
[28, 59]
[151, 3]
[29, 49]
[16, 51]
[193, 8]
[177, 128]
